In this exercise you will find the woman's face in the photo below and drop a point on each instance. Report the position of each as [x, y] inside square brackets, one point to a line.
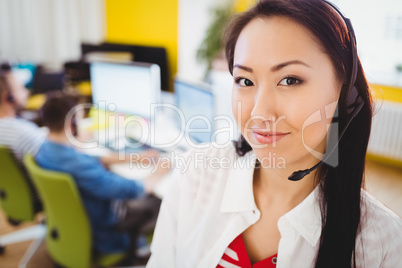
[285, 92]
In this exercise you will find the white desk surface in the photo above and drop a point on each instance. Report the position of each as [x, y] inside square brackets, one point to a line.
[132, 171]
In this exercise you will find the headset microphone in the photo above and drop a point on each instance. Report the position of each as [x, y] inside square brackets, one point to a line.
[356, 107]
[354, 101]
[298, 175]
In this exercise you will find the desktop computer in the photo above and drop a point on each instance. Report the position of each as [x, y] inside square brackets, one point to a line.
[131, 86]
[197, 103]
[128, 89]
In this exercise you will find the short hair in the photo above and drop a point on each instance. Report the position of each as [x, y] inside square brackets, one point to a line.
[56, 108]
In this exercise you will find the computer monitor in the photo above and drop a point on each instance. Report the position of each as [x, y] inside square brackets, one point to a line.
[139, 53]
[132, 86]
[197, 103]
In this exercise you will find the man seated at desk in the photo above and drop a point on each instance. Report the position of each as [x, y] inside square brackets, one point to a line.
[101, 190]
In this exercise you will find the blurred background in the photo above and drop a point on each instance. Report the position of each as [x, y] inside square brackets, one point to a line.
[51, 32]
[50, 45]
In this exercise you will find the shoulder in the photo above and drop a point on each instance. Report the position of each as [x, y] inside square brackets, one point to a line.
[23, 129]
[210, 150]
[70, 158]
[374, 213]
[206, 163]
[10, 124]
[18, 123]
[30, 128]
[381, 230]
[202, 172]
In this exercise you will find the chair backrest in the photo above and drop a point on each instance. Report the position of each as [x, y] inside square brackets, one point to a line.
[68, 237]
[16, 197]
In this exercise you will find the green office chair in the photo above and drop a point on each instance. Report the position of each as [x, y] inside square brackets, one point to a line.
[17, 203]
[68, 238]
[15, 195]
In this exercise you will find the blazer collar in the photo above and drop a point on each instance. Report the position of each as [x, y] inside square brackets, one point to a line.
[305, 218]
[238, 195]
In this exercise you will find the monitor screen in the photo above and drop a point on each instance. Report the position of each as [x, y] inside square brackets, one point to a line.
[138, 53]
[197, 104]
[131, 87]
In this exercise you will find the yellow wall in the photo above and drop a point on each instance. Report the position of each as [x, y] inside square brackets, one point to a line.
[388, 93]
[243, 5]
[144, 22]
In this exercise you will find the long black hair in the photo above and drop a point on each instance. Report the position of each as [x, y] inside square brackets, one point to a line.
[340, 186]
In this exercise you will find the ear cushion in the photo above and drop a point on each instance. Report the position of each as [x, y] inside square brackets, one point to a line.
[74, 126]
[10, 98]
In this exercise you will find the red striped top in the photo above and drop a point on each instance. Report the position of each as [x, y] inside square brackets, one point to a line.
[236, 256]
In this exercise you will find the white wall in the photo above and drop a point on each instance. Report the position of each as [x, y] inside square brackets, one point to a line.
[48, 31]
[194, 19]
[378, 28]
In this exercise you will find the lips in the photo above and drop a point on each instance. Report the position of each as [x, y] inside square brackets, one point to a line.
[268, 137]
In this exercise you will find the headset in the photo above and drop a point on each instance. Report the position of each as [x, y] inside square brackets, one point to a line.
[10, 98]
[3, 68]
[74, 126]
[354, 102]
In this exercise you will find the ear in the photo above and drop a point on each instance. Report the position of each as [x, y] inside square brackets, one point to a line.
[10, 97]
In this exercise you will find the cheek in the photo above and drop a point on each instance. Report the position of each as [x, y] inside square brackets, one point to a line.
[313, 124]
[314, 136]
[18, 96]
[25, 96]
[21, 94]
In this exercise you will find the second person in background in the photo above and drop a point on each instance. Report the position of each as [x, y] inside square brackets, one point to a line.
[109, 199]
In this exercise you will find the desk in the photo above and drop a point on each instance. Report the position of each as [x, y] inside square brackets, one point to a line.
[97, 137]
[132, 171]
[163, 133]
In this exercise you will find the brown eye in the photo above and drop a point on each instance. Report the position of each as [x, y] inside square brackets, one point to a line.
[244, 82]
[289, 81]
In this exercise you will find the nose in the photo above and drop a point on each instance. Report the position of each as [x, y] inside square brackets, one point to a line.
[265, 106]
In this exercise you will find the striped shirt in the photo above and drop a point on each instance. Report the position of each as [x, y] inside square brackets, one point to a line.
[236, 256]
[21, 136]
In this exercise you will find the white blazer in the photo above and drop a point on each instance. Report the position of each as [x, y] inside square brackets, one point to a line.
[211, 202]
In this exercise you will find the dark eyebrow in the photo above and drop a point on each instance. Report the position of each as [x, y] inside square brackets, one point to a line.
[284, 64]
[274, 68]
[248, 69]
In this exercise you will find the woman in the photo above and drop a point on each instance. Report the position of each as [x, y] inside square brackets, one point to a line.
[296, 75]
